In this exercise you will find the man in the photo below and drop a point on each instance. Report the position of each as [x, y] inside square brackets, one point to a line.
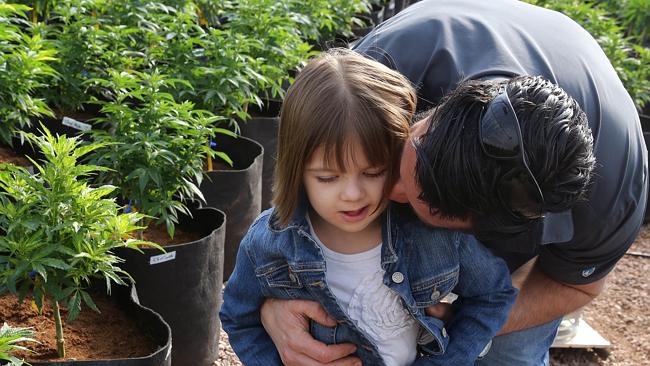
[559, 258]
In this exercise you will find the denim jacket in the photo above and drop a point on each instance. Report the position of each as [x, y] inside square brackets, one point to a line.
[286, 263]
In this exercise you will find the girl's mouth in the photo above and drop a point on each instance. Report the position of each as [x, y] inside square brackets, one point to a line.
[356, 215]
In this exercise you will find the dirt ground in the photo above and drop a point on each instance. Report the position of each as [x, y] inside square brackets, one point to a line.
[621, 314]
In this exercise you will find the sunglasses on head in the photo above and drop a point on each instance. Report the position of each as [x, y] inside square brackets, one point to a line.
[500, 137]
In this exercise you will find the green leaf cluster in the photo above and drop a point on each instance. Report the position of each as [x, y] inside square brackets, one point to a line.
[169, 74]
[25, 64]
[10, 339]
[321, 20]
[632, 15]
[57, 232]
[154, 146]
[231, 52]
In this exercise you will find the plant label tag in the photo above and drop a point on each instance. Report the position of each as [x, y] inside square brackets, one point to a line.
[162, 258]
[71, 122]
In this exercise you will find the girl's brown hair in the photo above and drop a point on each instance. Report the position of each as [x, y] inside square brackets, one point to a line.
[338, 99]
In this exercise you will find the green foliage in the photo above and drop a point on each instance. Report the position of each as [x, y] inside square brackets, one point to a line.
[10, 337]
[25, 59]
[631, 62]
[231, 52]
[632, 15]
[83, 51]
[274, 41]
[223, 75]
[323, 19]
[155, 147]
[636, 17]
[58, 233]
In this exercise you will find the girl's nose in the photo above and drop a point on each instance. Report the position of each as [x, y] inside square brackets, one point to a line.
[352, 191]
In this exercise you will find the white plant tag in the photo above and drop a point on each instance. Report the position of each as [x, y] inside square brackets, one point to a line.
[71, 122]
[162, 258]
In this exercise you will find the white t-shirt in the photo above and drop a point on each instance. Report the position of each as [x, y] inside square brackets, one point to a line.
[356, 280]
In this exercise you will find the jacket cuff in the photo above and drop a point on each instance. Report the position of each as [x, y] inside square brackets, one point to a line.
[433, 338]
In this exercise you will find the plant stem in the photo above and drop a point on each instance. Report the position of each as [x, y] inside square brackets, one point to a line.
[60, 342]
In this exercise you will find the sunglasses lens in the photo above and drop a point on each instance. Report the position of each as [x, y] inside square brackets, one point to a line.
[500, 138]
[499, 133]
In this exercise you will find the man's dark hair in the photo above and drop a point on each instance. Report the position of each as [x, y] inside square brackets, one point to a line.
[459, 180]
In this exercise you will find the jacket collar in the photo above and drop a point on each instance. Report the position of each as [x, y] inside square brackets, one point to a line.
[389, 232]
[298, 220]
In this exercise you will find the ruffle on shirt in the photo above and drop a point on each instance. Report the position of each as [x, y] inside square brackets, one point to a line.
[378, 310]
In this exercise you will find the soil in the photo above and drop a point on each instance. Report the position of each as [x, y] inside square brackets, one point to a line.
[109, 335]
[218, 164]
[8, 156]
[621, 314]
[158, 234]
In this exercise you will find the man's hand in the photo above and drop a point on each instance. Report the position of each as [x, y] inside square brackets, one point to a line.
[287, 322]
[440, 310]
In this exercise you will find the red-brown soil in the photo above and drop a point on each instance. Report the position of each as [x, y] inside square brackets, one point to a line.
[109, 335]
[9, 156]
[158, 234]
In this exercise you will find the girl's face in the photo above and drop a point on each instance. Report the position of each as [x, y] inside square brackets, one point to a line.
[348, 202]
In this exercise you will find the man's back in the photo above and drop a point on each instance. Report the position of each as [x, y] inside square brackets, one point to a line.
[439, 43]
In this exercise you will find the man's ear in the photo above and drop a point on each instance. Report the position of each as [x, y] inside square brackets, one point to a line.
[516, 191]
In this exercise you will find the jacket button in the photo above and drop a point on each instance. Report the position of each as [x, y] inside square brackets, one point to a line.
[444, 332]
[397, 277]
[435, 295]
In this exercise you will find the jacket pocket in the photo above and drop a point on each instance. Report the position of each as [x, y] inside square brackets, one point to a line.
[279, 275]
[430, 291]
[280, 281]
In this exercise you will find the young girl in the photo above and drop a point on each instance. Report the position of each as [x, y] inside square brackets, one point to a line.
[332, 236]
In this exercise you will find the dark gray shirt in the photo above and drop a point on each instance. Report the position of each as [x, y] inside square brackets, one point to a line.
[439, 43]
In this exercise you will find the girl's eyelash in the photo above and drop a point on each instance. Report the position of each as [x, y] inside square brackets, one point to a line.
[325, 179]
[333, 178]
[376, 175]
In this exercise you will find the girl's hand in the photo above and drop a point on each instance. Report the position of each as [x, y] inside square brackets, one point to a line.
[287, 322]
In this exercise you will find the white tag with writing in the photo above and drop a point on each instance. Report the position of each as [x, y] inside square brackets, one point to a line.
[157, 259]
[71, 122]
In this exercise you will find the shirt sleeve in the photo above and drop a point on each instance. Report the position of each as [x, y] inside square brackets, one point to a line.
[597, 245]
[485, 298]
[240, 314]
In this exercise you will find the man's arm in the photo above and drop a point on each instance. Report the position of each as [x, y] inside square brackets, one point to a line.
[287, 323]
[542, 299]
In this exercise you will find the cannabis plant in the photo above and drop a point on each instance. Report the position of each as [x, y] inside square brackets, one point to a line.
[76, 32]
[324, 19]
[279, 48]
[157, 147]
[25, 60]
[57, 232]
[10, 339]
